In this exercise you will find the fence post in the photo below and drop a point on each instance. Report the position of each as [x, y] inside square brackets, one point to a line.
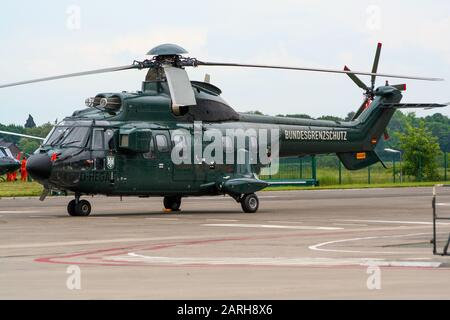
[393, 166]
[368, 174]
[301, 168]
[340, 172]
[314, 167]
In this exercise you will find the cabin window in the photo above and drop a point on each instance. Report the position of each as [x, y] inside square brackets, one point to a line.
[151, 153]
[162, 143]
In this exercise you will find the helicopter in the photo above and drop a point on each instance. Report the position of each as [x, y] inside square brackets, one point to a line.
[140, 143]
[8, 163]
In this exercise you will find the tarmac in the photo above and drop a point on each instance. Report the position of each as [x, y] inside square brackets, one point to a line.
[318, 244]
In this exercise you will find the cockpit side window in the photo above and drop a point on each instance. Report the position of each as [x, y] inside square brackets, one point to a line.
[97, 139]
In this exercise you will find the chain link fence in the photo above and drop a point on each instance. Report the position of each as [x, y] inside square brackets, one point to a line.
[328, 170]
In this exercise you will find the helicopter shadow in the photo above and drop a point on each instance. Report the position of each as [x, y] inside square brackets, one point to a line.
[173, 214]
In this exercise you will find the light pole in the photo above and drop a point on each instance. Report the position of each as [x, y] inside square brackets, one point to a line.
[393, 152]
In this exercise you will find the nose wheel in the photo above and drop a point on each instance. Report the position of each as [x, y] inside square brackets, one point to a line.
[80, 208]
[172, 203]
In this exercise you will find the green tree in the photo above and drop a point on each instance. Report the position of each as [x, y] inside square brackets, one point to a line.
[420, 152]
[300, 116]
[30, 122]
[330, 118]
[256, 112]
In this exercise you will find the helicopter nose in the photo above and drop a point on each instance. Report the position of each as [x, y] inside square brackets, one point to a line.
[39, 166]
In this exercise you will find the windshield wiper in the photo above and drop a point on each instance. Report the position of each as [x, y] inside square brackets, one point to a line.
[69, 143]
[60, 137]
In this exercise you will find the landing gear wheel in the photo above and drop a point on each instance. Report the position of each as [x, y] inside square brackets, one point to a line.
[80, 209]
[250, 203]
[172, 203]
[71, 207]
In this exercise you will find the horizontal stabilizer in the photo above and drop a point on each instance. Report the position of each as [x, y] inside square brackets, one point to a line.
[359, 160]
[412, 105]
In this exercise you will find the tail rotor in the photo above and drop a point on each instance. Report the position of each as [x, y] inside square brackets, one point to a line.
[369, 91]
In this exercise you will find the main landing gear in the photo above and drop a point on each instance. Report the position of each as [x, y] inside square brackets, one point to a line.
[172, 203]
[249, 203]
[78, 208]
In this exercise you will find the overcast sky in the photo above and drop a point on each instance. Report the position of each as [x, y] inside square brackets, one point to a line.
[41, 38]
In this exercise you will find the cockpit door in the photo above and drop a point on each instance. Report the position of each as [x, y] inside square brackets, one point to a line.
[157, 175]
[102, 155]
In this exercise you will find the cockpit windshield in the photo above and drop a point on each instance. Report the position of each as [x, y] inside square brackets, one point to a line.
[64, 136]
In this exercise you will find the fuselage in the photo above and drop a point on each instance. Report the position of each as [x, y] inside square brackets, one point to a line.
[127, 148]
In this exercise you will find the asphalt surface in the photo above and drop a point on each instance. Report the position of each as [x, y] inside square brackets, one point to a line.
[372, 244]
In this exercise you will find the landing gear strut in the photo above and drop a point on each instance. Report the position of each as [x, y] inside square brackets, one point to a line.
[172, 203]
[79, 208]
[249, 203]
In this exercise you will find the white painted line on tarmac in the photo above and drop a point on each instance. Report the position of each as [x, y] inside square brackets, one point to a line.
[163, 219]
[90, 242]
[223, 220]
[397, 222]
[351, 224]
[276, 261]
[103, 217]
[20, 211]
[319, 246]
[271, 226]
[279, 221]
[443, 204]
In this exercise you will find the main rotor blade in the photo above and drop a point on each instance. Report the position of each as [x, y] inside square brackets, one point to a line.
[401, 87]
[22, 135]
[356, 80]
[375, 65]
[70, 75]
[180, 87]
[222, 64]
